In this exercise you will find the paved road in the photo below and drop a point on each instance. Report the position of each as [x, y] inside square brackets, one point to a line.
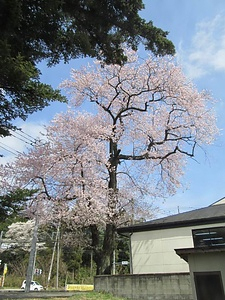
[18, 294]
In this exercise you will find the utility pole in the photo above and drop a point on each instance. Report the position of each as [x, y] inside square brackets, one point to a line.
[30, 268]
[53, 254]
[57, 263]
[1, 235]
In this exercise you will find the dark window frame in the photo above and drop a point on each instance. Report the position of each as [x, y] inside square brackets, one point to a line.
[209, 237]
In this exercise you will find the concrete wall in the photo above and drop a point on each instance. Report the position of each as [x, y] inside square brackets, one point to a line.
[146, 286]
[153, 251]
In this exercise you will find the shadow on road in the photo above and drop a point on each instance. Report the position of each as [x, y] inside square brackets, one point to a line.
[7, 294]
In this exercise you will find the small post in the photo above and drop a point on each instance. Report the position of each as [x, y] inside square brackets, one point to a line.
[4, 273]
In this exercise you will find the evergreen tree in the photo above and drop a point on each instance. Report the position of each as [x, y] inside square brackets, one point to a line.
[55, 30]
[11, 206]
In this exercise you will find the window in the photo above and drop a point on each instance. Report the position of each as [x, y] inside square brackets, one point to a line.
[209, 237]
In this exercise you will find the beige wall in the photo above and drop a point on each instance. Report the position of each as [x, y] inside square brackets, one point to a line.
[153, 251]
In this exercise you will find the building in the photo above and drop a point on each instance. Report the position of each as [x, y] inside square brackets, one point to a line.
[192, 242]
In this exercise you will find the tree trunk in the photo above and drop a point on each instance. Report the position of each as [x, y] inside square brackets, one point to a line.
[103, 253]
[105, 262]
[105, 256]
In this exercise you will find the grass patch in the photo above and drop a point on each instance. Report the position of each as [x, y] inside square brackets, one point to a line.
[95, 296]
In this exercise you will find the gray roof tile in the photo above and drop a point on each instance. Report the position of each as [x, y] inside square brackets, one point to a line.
[212, 214]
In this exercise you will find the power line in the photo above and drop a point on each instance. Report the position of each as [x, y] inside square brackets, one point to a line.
[8, 150]
[36, 140]
[23, 140]
[26, 136]
[23, 137]
[14, 150]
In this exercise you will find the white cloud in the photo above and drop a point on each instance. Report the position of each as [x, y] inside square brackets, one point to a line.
[21, 140]
[207, 51]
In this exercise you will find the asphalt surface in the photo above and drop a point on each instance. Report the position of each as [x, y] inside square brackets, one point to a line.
[18, 294]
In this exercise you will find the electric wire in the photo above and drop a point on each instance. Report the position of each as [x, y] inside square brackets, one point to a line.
[23, 140]
[27, 135]
[8, 150]
[23, 137]
[12, 149]
[26, 138]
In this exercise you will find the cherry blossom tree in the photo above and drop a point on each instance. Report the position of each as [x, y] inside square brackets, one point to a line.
[155, 119]
[20, 234]
[145, 120]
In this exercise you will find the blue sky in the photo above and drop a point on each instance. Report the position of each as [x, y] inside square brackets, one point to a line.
[197, 28]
